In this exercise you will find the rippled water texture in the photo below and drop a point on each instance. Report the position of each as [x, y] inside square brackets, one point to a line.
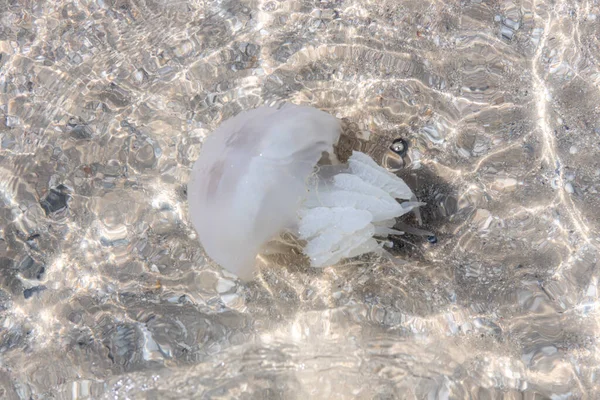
[105, 291]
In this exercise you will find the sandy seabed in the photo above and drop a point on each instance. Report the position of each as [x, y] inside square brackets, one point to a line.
[106, 293]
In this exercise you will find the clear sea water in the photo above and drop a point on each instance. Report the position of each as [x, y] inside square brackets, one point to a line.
[105, 292]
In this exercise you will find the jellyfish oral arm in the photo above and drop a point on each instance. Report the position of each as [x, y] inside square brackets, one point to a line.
[344, 213]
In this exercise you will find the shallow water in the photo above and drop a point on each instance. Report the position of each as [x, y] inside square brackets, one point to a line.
[105, 292]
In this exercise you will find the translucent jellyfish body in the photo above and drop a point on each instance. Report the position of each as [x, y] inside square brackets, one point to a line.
[257, 177]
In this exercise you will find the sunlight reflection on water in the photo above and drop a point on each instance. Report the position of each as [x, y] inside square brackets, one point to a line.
[105, 291]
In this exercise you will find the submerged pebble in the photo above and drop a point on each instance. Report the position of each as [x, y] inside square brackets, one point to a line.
[399, 146]
[27, 293]
[569, 188]
[573, 150]
[56, 200]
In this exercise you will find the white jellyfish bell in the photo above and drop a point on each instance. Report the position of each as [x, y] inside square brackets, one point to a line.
[257, 177]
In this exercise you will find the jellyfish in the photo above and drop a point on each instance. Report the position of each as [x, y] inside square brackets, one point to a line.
[259, 175]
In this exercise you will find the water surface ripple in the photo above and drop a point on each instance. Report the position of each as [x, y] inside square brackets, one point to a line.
[105, 292]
